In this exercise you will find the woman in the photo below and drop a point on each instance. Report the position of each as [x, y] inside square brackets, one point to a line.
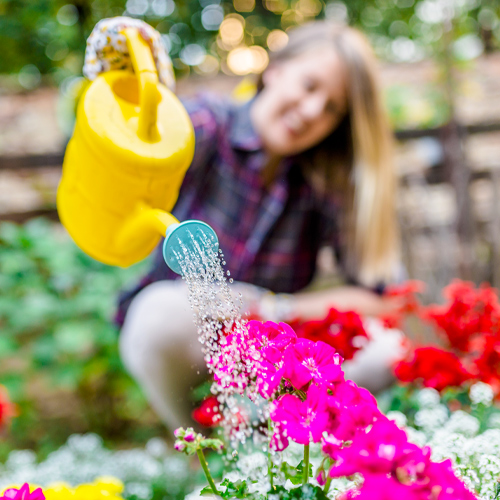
[307, 163]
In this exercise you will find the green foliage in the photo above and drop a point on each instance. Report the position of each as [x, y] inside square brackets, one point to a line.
[410, 107]
[405, 399]
[229, 489]
[402, 398]
[304, 492]
[58, 350]
[295, 474]
[48, 36]
[239, 489]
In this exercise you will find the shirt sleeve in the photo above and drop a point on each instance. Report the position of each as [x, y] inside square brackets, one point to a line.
[335, 236]
[207, 116]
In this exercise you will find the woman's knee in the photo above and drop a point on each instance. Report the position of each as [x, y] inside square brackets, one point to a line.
[158, 323]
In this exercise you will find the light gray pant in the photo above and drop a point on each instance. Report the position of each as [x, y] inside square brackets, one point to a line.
[159, 347]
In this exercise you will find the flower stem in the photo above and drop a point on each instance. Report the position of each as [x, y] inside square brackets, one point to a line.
[305, 477]
[204, 464]
[328, 482]
[326, 489]
[269, 456]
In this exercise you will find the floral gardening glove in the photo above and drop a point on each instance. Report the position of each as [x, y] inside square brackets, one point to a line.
[107, 49]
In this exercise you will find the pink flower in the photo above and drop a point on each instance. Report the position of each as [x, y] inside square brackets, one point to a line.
[279, 335]
[279, 440]
[379, 451]
[23, 493]
[306, 360]
[331, 445]
[274, 339]
[382, 487]
[440, 478]
[352, 409]
[302, 421]
[269, 378]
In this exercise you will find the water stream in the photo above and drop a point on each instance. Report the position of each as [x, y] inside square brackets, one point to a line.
[216, 312]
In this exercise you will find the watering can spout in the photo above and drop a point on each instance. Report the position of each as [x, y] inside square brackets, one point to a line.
[188, 238]
[191, 236]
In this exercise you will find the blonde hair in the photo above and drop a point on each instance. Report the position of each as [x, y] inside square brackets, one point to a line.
[373, 242]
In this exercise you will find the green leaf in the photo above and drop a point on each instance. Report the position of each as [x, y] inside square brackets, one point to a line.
[44, 350]
[73, 338]
[295, 474]
[201, 392]
[206, 491]
[304, 492]
[230, 489]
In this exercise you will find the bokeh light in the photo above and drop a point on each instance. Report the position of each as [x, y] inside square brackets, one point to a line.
[244, 5]
[245, 60]
[309, 8]
[232, 30]
[291, 18]
[67, 15]
[208, 67]
[337, 11]
[276, 40]
[212, 17]
[29, 77]
[276, 6]
[193, 54]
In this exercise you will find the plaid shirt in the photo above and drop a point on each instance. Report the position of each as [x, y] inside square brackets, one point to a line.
[270, 235]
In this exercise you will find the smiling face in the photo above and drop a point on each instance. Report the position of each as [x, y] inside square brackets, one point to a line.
[302, 102]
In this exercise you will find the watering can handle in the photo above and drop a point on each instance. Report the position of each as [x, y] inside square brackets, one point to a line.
[149, 95]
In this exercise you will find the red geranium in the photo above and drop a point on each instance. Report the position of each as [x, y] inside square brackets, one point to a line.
[410, 304]
[488, 364]
[469, 312]
[7, 408]
[435, 368]
[208, 413]
[344, 331]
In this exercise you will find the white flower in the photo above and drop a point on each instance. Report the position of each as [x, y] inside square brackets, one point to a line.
[481, 393]
[486, 443]
[416, 437]
[431, 418]
[494, 420]
[463, 423]
[398, 418]
[428, 398]
[446, 444]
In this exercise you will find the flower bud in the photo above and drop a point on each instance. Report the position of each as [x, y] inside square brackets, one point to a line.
[180, 446]
[190, 435]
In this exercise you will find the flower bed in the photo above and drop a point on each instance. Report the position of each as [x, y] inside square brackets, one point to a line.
[149, 473]
[287, 423]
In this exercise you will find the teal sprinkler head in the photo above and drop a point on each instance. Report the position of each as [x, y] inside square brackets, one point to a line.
[183, 237]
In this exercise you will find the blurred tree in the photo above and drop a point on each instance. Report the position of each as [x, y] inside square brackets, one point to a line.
[47, 37]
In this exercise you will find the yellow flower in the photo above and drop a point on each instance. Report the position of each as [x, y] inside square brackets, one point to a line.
[103, 488]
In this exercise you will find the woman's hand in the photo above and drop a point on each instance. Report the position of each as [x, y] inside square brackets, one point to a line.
[315, 304]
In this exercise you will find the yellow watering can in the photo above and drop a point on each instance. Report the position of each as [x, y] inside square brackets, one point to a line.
[132, 144]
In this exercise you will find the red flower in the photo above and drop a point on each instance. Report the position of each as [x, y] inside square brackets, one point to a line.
[488, 364]
[469, 312]
[7, 408]
[410, 304]
[434, 367]
[343, 331]
[207, 414]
